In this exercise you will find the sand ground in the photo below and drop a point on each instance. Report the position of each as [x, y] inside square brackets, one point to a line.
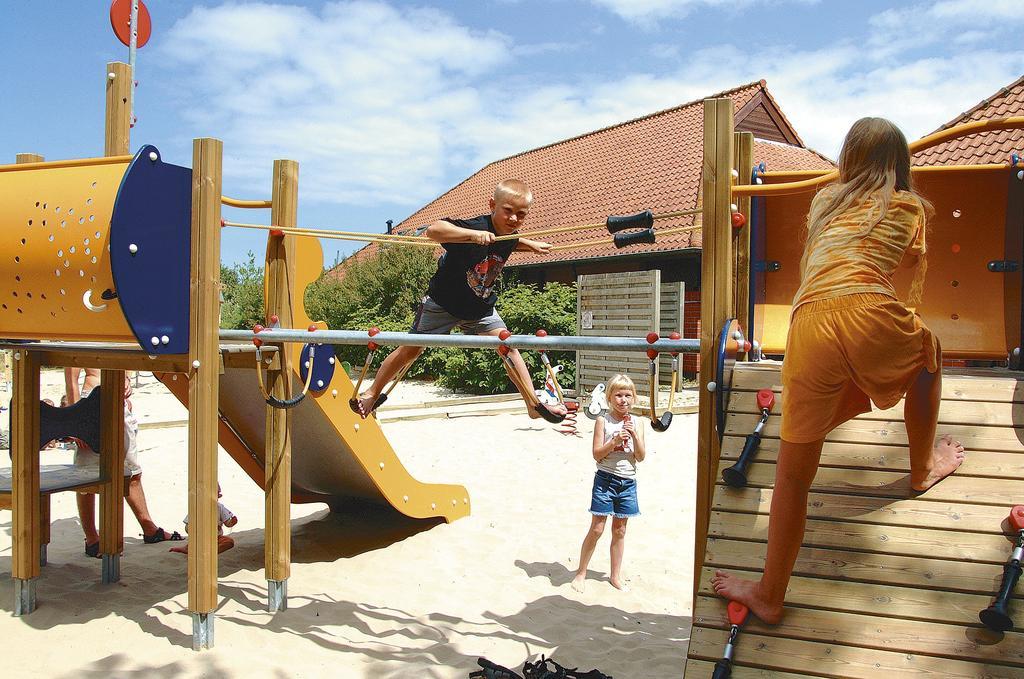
[371, 596]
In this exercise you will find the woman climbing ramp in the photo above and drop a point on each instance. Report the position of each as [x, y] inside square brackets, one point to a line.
[461, 292]
[851, 342]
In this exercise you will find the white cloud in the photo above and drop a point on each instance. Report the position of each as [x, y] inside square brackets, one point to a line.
[899, 30]
[388, 105]
[647, 12]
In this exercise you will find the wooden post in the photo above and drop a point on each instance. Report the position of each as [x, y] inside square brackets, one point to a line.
[716, 300]
[744, 145]
[44, 500]
[116, 142]
[280, 272]
[112, 454]
[117, 129]
[25, 480]
[204, 387]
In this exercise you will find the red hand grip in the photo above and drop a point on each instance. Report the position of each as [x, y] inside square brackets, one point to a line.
[765, 399]
[737, 613]
[1017, 518]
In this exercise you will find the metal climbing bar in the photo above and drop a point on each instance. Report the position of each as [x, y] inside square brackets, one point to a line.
[532, 342]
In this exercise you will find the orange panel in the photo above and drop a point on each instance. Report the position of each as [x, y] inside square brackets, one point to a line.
[975, 313]
[54, 259]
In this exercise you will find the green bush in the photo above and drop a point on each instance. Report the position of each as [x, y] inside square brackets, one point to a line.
[242, 286]
[383, 289]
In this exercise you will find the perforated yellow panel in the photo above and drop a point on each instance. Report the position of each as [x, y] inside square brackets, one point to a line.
[54, 257]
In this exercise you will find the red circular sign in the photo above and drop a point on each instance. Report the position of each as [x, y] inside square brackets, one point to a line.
[121, 22]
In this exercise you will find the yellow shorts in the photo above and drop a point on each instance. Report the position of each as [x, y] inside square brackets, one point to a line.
[846, 352]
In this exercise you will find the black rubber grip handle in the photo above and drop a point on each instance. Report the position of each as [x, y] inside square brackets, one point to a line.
[723, 670]
[736, 475]
[641, 220]
[997, 616]
[623, 240]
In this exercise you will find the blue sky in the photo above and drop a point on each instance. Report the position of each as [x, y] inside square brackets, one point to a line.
[386, 104]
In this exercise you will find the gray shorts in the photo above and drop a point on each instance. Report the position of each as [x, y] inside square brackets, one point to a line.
[432, 319]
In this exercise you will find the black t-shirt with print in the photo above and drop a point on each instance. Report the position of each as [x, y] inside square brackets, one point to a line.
[466, 273]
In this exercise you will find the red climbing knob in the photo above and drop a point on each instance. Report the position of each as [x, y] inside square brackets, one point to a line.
[274, 320]
[674, 336]
[542, 333]
[737, 613]
[504, 335]
[312, 327]
[765, 399]
[223, 223]
[652, 354]
[373, 331]
[257, 329]
[276, 232]
[652, 337]
[503, 350]
[739, 220]
[746, 346]
[1017, 518]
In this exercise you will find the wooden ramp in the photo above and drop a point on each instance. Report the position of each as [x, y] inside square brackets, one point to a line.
[886, 584]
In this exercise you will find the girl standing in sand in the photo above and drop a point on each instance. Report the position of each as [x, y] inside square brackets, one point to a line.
[852, 342]
[618, 445]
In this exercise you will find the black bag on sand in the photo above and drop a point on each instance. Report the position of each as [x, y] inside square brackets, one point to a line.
[546, 668]
[492, 671]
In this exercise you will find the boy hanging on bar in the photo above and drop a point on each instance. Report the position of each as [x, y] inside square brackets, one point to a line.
[461, 292]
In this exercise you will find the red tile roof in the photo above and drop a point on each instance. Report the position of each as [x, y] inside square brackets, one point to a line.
[653, 162]
[987, 147]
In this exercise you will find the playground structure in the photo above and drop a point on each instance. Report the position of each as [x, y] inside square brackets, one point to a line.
[116, 265]
[102, 305]
[887, 582]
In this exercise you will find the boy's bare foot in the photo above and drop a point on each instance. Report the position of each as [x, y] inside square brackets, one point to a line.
[747, 592]
[180, 550]
[619, 584]
[947, 456]
[579, 583]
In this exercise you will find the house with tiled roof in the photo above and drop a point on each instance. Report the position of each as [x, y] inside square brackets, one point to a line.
[987, 147]
[649, 163]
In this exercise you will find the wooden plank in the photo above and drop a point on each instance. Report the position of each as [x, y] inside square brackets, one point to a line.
[117, 130]
[866, 537]
[714, 258]
[834, 660]
[970, 490]
[280, 268]
[881, 456]
[204, 384]
[25, 466]
[1006, 389]
[881, 601]
[870, 567]
[699, 669]
[878, 510]
[891, 432]
[112, 452]
[951, 413]
[868, 632]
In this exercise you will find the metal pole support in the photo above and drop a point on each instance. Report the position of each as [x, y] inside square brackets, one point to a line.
[24, 596]
[277, 595]
[202, 631]
[111, 568]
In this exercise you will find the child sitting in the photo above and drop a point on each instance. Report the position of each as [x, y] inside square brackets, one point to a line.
[225, 518]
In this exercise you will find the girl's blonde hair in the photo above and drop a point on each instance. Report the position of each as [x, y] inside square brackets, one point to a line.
[874, 162]
[619, 382]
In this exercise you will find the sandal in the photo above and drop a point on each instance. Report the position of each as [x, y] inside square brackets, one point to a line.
[553, 418]
[159, 536]
[93, 550]
[353, 403]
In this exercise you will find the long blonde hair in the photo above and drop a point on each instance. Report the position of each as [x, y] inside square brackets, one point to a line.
[874, 162]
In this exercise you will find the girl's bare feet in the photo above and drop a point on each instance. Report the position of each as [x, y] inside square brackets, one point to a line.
[947, 456]
[619, 584]
[749, 593]
[579, 582]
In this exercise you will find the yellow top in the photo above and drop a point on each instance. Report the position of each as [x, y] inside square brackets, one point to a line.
[840, 263]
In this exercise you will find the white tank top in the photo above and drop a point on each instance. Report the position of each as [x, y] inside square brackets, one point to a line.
[620, 461]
